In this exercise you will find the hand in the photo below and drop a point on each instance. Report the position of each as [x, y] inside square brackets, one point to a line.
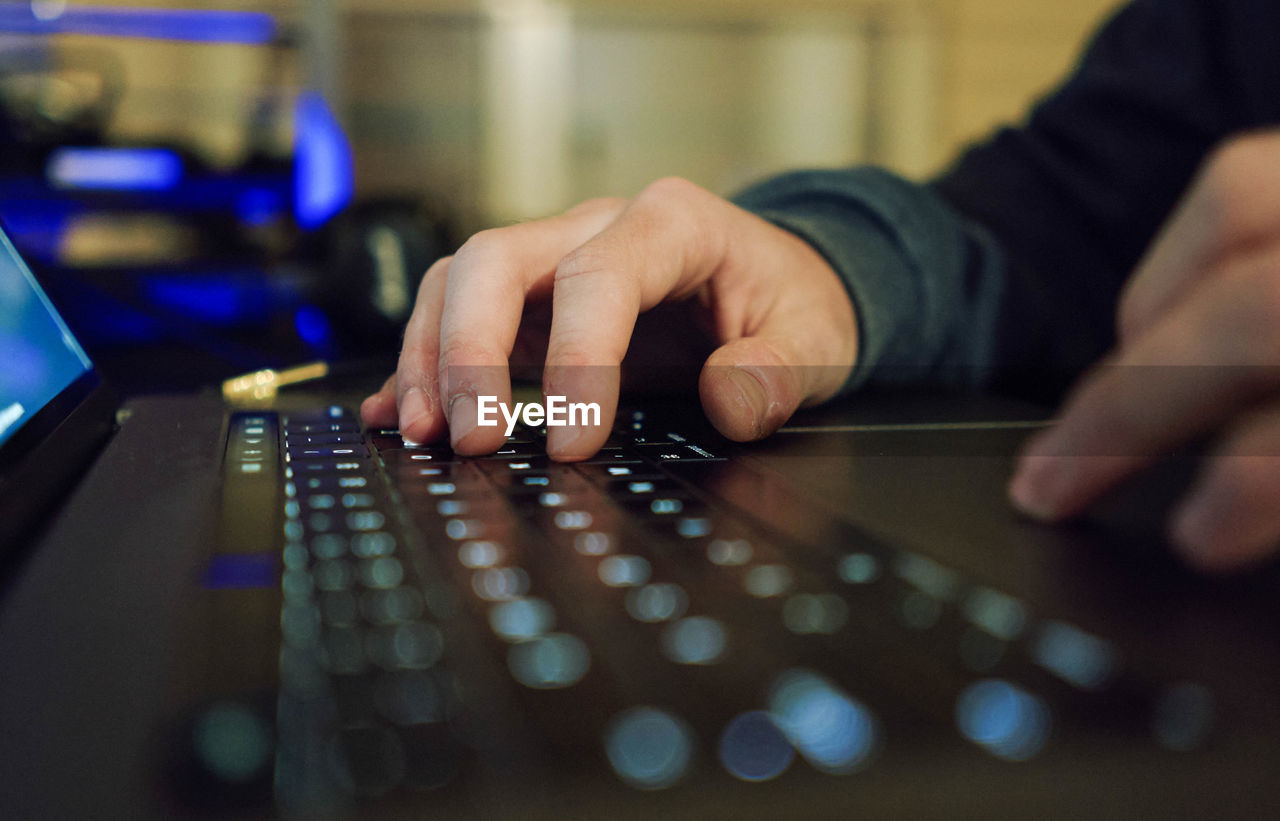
[1199, 345]
[783, 322]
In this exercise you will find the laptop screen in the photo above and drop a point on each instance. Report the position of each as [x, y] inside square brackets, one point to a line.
[39, 358]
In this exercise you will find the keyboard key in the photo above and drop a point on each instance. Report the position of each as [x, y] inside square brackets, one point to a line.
[522, 465]
[549, 662]
[320, 414]
[310, 483]
[521, 619]
[315, 428]
[675, 452]
[433, 755]
[293, 440]
[695, 640]
[657, 602]
[372, 544]
[498, 584]
[410, 646]
[384, 442]
[612, 457]
[340, 608]
[351, 451]
[394, 605]
[409, 697]
[370, 760]
[607, 473]
[623, 570]
[416, 458]
[649, 748]
[514, 450]
[312, 467]
[597, 589]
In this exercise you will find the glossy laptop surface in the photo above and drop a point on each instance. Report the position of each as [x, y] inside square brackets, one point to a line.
[893, 640]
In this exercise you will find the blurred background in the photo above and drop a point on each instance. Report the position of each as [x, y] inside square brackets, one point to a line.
[214, 187]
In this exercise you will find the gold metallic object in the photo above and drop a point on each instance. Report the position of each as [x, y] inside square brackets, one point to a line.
[263, 384]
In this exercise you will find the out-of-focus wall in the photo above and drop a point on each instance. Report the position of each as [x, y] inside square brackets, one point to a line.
[999, 55]
[527, 106]
[507, 109]
[197, 95]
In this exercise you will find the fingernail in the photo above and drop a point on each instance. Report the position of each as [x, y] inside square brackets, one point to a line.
[753, 396]
[560, 441]
[463, 413]
[1038, 485]
[414, 408]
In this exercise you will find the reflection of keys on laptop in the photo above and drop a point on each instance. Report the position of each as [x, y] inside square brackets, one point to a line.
[647, 608]
[361, 642]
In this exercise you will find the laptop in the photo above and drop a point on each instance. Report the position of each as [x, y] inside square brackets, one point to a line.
[271, 611]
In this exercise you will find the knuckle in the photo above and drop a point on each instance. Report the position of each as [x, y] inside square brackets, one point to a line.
[670, 190]
[438, 269]
[585, 261]
[598, 205]
[487, 248]
[1240, 167]
[686, 215]
[414, 365]
[1230, 159]
[571, 353]
[569, 350]
[596, 259]
[1242, 153]
[415, 346]
[460, 352]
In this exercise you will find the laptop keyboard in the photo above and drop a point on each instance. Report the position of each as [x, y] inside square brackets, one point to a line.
[653, 616]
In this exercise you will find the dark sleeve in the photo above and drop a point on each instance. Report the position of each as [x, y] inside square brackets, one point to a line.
[1006, 269]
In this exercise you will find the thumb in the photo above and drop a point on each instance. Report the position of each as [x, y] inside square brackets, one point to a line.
[791, 331]
[751, 385]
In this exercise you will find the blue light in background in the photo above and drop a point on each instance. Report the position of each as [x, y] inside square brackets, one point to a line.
[36, 226]
[251, 28]
[114, 169]
[110, 324]
[313, 328]
[219, 300]
[258, 206]
[324, 175]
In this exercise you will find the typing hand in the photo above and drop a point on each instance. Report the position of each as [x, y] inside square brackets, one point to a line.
[1198, 352]
[782, 319]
